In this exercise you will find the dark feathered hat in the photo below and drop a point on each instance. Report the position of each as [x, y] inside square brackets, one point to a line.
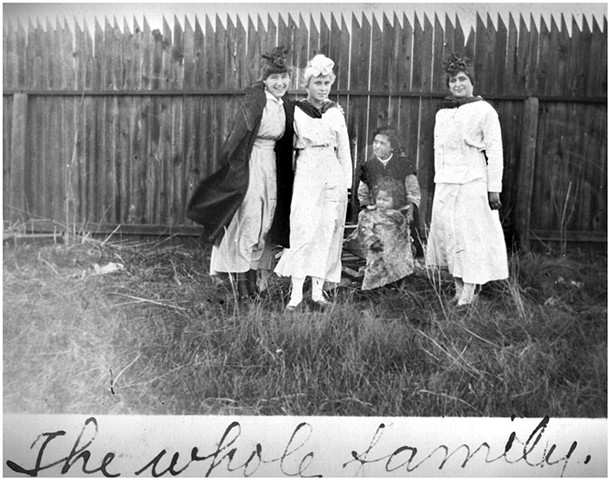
[274, 62]
[455, 64]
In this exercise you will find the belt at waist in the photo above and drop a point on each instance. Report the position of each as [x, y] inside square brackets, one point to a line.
[265, 143]
[327, 145]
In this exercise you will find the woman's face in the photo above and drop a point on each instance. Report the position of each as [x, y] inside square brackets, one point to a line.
[382, 148]
[460, 85]
[384, 200]
[277, 84]
[318, 89]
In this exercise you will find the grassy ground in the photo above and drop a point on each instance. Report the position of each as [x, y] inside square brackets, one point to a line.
[159, 337]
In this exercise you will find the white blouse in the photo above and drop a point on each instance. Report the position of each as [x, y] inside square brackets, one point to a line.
[461, 135]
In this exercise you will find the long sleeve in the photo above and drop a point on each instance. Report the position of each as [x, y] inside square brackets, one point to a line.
[492, 136]
[468, 145]
[343, 148]
[364, 196]
[413, 190]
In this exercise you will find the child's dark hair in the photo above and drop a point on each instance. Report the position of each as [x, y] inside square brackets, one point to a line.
[392, 187]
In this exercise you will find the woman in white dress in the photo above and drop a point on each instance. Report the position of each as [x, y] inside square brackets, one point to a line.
[466, 234]
[323, 175]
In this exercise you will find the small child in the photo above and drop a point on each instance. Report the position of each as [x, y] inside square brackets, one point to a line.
[383, 232]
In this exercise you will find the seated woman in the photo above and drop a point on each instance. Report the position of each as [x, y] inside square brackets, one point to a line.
[388, 161]
[383, 232]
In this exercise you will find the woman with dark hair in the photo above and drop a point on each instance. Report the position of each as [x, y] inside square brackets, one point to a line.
[390, 161]
[466, 234]
[323, 176]
[244, 206]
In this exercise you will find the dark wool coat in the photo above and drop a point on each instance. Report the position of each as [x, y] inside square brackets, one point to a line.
[217, 198]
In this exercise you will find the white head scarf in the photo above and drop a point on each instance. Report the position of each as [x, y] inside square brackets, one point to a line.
[317, 66]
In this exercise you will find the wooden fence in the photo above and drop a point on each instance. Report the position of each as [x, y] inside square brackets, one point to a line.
[116, 127]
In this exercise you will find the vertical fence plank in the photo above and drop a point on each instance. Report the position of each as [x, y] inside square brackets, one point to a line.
[543, 78]
[527, 167]
[208, 53]
[324, 36]
[91, 184]
[500, 57]
[532, 59]
[340, 54]
[242, 67]
[230, 75]
[436, 82]
[459, 37]
[220, 47]
[379, 64]
[419, 56]
[177, 56]
[403, 49]
[147, 55]
[199, 56]
[270, 40]
[510, 114]
[8, 48]
[597, 82]
[576, 82]
[189, 57]
[299, 46]
[80, 57]
[449, 40]
[425, 155]
[7, 158]
[483, 56]
[253, 55]
[358, 112]
[561, 43]
[20, 51]
[284, 37]
[511, 84]
[17, 159]
[314, 38]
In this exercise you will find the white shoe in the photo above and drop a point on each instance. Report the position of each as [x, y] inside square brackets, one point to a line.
[291, 307]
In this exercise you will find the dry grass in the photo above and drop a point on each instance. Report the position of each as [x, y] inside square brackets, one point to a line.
[160, 337]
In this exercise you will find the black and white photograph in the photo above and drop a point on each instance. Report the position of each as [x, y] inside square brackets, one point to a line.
[242, 239]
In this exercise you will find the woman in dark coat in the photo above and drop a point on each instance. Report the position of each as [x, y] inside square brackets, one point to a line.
[244, 207]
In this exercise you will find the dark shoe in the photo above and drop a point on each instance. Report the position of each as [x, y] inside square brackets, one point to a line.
[243, 290]
[251, 282]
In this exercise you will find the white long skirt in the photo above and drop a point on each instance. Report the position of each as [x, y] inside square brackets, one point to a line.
[466, 234]
[317, 218]
[243, 245]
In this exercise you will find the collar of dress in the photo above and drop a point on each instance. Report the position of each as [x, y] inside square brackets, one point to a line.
[385, 162]
[272, 97]
[456, 102]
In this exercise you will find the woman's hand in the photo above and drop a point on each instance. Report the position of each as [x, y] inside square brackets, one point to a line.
[494, 200]
[408, 212]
